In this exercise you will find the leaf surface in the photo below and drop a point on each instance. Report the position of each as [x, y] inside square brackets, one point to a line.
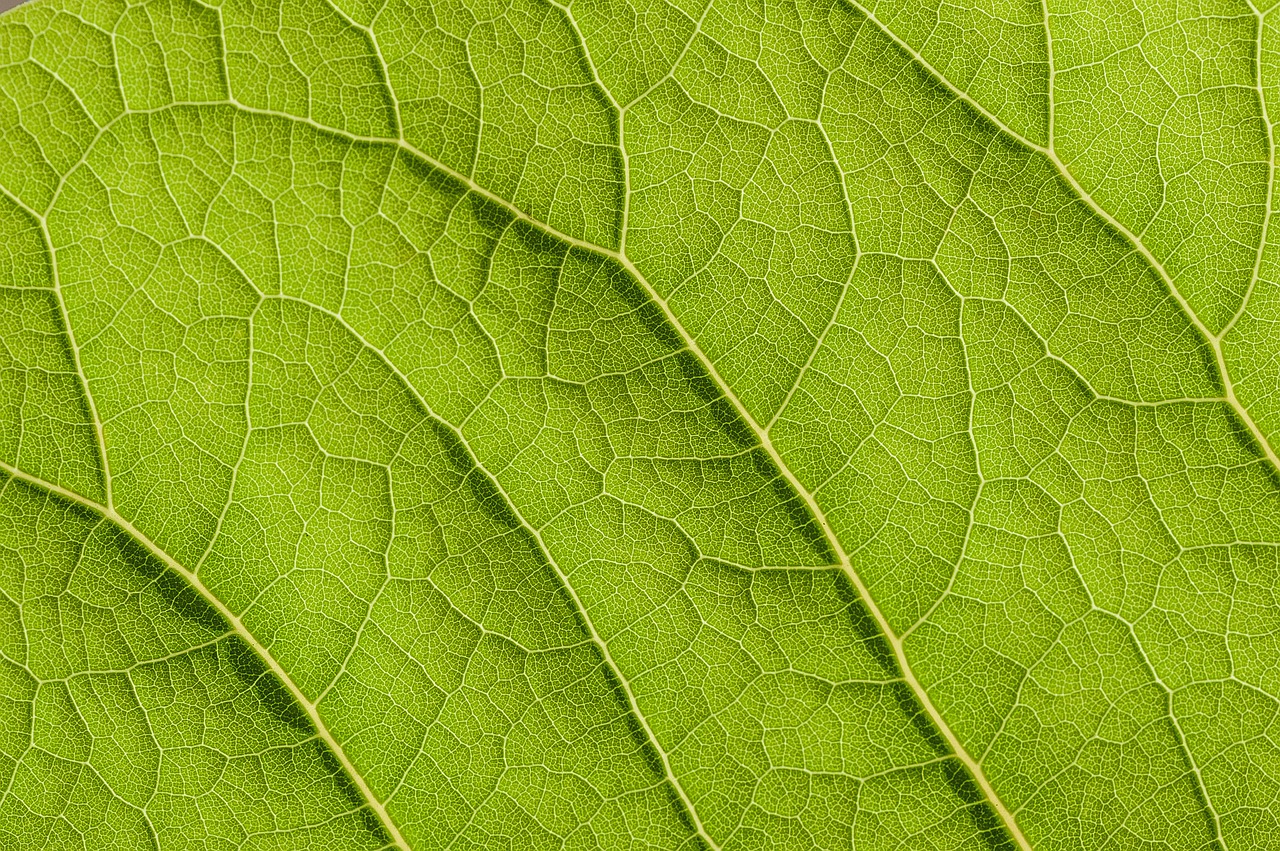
[638, 424]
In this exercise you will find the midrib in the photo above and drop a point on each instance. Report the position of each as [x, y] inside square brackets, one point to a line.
[895, 643]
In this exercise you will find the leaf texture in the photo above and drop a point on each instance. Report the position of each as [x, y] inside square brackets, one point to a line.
[638, 424]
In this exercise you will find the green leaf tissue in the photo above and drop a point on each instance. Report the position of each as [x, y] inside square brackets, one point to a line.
[639, 424]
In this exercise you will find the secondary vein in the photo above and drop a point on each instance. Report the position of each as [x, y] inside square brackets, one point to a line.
[975, 769]
[633, 706]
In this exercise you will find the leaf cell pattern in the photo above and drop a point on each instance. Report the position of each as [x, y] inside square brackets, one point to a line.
[632, 423]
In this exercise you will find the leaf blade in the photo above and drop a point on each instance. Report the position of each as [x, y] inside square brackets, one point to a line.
[288, 347]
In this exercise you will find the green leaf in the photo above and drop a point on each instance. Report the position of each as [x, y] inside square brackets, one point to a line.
[637, 423]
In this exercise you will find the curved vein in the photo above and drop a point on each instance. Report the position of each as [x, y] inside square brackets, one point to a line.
[1214, 342]
[109, 510]
[237, 626]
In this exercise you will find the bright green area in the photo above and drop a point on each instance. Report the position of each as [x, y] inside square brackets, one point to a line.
[535, 384]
